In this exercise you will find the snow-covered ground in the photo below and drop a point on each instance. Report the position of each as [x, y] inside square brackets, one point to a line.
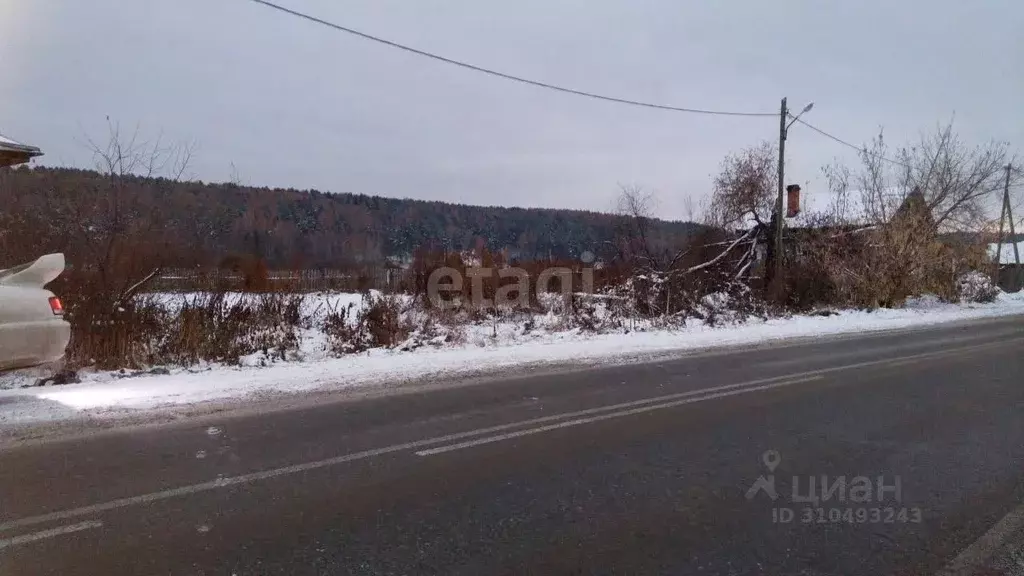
[106, 395]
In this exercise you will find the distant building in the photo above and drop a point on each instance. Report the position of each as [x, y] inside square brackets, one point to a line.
[13, 153]
[1006, 254]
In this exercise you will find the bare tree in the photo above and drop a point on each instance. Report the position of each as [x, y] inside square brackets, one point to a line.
[842, 208]
[636, 206]
[664, 277]
[738, 196]
[120, 228]
[236, 176]
[693, 213]
[636, 243]
[745, 188]
[960, 183]
[113, 231]
[907, 198]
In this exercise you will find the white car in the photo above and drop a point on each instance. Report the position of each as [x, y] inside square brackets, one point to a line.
[32, 326]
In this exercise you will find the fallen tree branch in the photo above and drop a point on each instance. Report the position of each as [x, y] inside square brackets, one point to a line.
[134, 288]
[750, 234]
[747, 261]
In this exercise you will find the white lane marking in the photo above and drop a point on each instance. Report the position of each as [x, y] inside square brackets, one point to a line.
[26, 538]
[223, 482]
[305, 467]
[580, 421]
[974, 556]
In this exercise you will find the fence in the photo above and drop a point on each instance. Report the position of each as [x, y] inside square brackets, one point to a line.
[376, 278]
[1011, 277]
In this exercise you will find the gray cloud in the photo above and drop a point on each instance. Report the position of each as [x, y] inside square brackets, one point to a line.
[294, 104]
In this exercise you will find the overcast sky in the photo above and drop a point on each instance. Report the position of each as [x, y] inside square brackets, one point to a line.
[294, 104]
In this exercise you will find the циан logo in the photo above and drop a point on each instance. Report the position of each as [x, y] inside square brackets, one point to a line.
[771, 460]
[860, 495]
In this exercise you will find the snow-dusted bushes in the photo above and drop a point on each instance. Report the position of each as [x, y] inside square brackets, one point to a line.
[379, 322]
[735, 303]
[433, 329]
[976, 287]
[187, 329]
[218, 328]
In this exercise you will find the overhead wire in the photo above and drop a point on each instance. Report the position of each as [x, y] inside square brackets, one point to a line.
[504, 75]
[862, 149]
[563, 89]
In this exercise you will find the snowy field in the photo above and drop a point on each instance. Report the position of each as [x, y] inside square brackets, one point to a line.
[485, 347]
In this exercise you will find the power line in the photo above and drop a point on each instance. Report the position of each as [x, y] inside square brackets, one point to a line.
[504, 75]
[562, 89]
[847, 144]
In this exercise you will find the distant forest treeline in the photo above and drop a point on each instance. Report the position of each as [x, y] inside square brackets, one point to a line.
[202, 223]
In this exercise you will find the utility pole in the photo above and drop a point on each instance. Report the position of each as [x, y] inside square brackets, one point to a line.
[779, 223]
[1009, 214]
[1002, 222]
[777, 284]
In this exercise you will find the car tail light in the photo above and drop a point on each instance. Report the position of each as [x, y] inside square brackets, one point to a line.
[56, 306]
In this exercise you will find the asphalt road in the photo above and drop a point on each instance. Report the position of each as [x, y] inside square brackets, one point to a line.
[641, 469]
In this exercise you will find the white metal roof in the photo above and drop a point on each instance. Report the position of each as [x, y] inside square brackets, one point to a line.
[1006, 256]
[10, 144]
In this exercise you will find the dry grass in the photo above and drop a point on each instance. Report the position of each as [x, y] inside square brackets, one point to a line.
[378, 323]
[211, 327]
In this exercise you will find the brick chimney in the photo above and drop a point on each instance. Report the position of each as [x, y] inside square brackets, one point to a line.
[792, 200]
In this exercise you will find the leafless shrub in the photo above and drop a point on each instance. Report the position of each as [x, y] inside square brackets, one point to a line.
[592, 313]
[433, 327]
[122, 337]
[378, 323]
[877, 266]
[208, 327]
[220, 327]
[734, 302]
[382, 316]
[345, 334]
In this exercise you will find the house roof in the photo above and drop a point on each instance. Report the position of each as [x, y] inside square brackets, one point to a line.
[822, 208]
[818, 206]
[13, 152]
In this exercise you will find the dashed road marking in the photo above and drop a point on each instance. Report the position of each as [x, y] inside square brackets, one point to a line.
[51, 533]
[567, 418]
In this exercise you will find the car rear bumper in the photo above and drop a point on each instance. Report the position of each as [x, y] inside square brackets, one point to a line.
[27, 344]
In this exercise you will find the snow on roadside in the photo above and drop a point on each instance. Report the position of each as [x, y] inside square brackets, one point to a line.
[104, 395]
